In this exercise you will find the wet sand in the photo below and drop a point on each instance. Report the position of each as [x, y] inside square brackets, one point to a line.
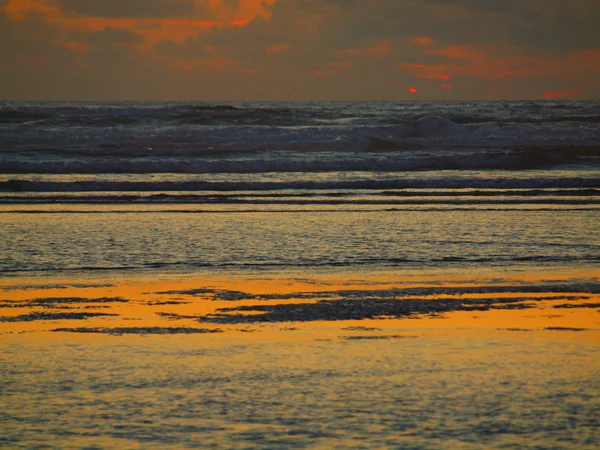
[505, 359]
[241, 302]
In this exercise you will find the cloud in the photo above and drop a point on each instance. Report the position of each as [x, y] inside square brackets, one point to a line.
[271, 49]
[108, 36]
[551, 25]
[278, 48]
[128, 8]
[560, 95]
[504, 61]
[29, 41]
[191, 48]
[423, 41]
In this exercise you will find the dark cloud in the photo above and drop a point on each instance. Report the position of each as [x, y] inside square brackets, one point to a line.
[28, 39]
[119, 58]
[557, 29]
[303, 49]
[232, 4]
[548, 25]
[191, 48]
[108, 36]
[129, 8]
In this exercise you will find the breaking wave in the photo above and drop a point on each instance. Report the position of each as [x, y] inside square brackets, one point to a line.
[245, 138]
[463, 113]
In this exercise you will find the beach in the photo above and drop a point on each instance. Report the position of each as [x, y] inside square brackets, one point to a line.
[300, 275]
[494, 360]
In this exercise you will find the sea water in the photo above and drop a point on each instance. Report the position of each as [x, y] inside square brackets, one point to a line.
[411, 210]
[148, 185]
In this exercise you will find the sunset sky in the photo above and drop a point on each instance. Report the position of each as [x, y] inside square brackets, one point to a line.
[299, 49]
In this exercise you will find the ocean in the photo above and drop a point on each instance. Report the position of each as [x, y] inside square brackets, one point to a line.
[300, 275]
[348, 184]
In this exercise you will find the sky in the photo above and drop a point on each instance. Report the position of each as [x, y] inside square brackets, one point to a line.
[269, 50]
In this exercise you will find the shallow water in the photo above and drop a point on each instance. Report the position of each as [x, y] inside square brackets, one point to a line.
[324, 275]
[509, 361]
[62, 241]
[460, 391]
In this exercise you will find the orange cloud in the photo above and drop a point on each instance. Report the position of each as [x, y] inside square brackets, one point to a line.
[246, 10]
[75, 46]
[575, 65]
[152, 29]
[376, 50]
[431, 71]
[317, 35]
[212, 63]
[519, 72]
[380, 48]
[334, 68]
[278, 48]
[412, 65]
[170, 30]
[423, 41]
[558, 95]
[502, 61]
[19, 9]
[472, 53]
[219, 63]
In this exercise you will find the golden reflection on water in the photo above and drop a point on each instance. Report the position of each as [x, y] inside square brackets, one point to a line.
[140, 302]
[494, 378]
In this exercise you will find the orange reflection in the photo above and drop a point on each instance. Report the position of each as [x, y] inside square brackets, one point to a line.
[181, 301]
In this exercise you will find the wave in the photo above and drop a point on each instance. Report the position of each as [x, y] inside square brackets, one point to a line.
[465, 120]
[13, 115]
[501, 161]
[433, 154]
[290, 114]
[215, 108]
[17, 188]
[473, 182]
[163, 198]
[354, 262]
[430, 139]
[248, 138]
[100, 115]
